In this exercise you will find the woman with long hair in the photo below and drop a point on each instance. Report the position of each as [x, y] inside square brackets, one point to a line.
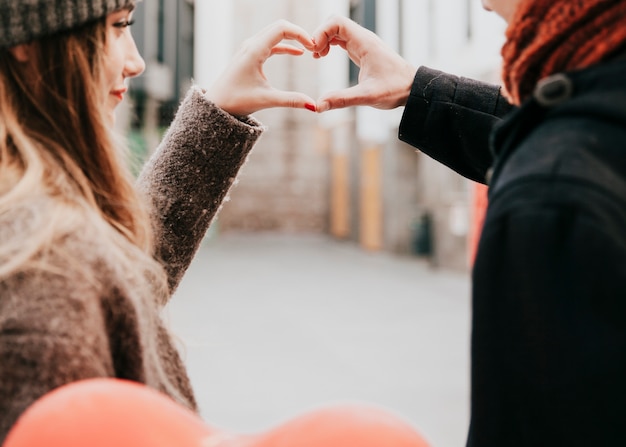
[549, 278]
[88, 255]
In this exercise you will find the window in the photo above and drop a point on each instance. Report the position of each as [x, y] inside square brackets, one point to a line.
[364, 13]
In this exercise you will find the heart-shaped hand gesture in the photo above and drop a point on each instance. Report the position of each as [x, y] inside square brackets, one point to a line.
[385, 78]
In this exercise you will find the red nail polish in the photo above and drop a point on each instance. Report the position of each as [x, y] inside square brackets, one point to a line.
[310, 107]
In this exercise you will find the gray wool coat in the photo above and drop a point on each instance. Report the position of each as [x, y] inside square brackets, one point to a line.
[55, 329]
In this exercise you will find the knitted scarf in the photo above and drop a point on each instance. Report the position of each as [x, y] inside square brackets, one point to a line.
[545, 37]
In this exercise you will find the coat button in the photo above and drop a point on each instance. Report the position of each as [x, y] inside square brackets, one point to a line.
[489, 175]
[553, 90]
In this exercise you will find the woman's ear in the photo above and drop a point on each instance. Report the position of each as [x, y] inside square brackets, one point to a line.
[22, 52]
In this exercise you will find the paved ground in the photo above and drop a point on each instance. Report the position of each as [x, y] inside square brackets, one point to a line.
[273, 326]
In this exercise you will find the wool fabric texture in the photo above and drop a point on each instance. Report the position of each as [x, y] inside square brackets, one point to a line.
[85, 318]
[546, 37]
[22, 21]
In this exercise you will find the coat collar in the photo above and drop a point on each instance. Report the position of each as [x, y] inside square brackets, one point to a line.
[596, 91]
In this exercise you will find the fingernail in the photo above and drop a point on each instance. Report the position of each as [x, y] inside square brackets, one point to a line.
[323, 107]
[310, 107]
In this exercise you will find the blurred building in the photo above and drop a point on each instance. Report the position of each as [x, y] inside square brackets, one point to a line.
[343, 172]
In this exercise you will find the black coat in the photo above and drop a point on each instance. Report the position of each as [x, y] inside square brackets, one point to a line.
[549, 280]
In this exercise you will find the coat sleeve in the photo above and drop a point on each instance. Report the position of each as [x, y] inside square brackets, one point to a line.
[450, 118]
[49, 336]
[189, 175]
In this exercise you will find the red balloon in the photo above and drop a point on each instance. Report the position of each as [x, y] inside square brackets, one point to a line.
[119, 413]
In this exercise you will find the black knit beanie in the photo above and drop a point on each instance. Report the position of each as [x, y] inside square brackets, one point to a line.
[24, 20]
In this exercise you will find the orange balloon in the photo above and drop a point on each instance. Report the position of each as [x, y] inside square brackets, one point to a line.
[107, 413]
[342, 426]
[119, 413]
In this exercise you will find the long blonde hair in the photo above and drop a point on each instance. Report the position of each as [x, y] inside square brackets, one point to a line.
[55, 142]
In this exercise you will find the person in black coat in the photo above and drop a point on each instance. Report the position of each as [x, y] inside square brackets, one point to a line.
[549, 279]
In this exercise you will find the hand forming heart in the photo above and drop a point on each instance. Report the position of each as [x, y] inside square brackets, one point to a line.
[385, 78]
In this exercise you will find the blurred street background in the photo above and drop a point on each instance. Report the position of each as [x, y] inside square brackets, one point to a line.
[338, 270]
[272, 326]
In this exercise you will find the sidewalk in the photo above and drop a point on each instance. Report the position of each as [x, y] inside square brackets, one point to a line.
[272, 326]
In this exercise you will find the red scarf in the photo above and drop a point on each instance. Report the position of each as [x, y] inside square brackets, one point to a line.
[545, 37]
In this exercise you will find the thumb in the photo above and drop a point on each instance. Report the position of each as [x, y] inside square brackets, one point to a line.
[339, 99]
[294, 100]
